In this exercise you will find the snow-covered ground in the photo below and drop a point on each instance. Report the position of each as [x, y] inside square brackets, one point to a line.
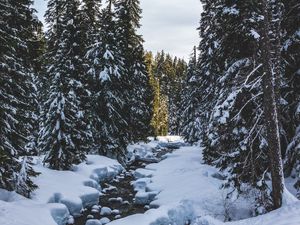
[72, 191]
[186, 190]
[76, 189]
[179, 189]
[189, 191]
[17, 210]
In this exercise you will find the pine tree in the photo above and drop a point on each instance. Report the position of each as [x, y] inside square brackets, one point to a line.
[136, 81]
[106, 69]
[90, 20]
[36, 49]
[190, 128]
[231, 77]
[176, 86]
[149, 62]
[65, 134]
[15, 96]
[291, 92]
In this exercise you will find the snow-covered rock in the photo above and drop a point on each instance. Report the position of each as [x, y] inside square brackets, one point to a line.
[141, 198]
[115, 212]
[95, 209]
[105, 211]
[141, 184]
[117, 217]
[119, 199]
[141, 173]
[90, 217]
[104, 220]
[93, 222]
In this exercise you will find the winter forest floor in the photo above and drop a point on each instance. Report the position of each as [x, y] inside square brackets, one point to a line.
[167, 183]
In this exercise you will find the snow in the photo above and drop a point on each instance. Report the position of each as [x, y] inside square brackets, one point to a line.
[105, 211]
[184, 189]
[60, 193]
[180, 184]
[104, 75]
[104, 220]
[93, 222]
[287, 215]
[170, 139]
[221, 111]
[144, 151]
[17, 210]
[82, 188]
[255, 34]
[179, 189]
[231, 11]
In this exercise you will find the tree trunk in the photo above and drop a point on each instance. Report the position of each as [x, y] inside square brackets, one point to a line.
[270, 111]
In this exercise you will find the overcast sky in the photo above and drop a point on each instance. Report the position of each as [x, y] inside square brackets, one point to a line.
[167, 24]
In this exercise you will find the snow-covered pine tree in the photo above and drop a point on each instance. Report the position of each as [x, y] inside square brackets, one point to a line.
[237, 127]
[181, 72]
[291, 93]
[136, 81]
[90, 20]
[149, 62]
[190, 127]
[204, 88]
[234, 80]
[36, 48]
[65, 134]
[15, 96]
[175, 89]
[108, 100]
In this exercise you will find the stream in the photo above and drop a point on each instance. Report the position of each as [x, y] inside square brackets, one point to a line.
[118, 195]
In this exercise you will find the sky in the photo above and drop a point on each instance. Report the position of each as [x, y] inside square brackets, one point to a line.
[168, 25]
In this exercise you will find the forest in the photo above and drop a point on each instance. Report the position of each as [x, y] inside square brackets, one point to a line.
[82, 99]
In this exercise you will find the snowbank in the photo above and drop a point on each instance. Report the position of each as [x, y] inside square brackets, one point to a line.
[76, 189]
[142, 151]
[17, 210]
[170, 139]
[145, 151]
[60, 193]
[287, 215]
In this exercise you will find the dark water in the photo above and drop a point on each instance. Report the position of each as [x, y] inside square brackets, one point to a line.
[118, 194]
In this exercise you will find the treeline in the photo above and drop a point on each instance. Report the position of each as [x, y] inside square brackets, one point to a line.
[83, 87]
[167, 75]
[242, 96]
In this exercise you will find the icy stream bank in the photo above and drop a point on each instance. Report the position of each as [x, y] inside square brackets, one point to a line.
[121, 196]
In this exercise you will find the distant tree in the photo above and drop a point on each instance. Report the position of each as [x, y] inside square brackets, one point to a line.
[175, 95]
[190, 127]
